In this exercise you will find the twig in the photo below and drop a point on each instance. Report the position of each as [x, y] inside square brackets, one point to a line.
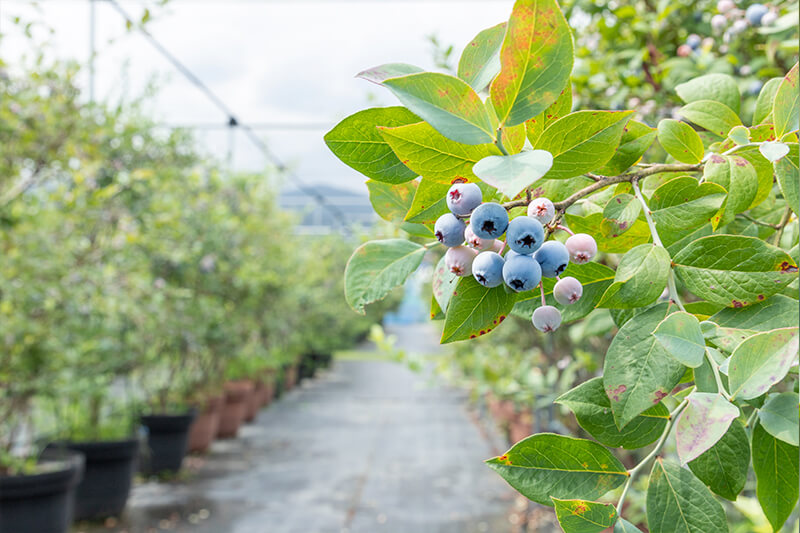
[787, 215]
[715, 368]
[758, 222]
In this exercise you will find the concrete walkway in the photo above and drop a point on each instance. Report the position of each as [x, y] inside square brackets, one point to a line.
[368, 447]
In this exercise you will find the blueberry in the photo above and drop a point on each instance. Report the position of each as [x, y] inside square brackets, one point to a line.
[511, 253]
[524, 235]
[542, 209]
[769, 19]
[553, 257]
[738, 27]
[684, 50]
[459, 260]
[581, 248]
[449, 230]
[546, 318]
[489, 220]
[755, 13]
[718, 22]
[694, 41]
[521, 272]
[723, 6]
[568, 290]
[754, 87]
[462, 198]
[476, 242]
[487, 269]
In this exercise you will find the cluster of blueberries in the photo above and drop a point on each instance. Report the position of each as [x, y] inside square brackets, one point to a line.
[730, 21]
[529, 256]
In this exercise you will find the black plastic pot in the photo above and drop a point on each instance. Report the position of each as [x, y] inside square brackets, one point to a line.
[167, 442]
[44, 502]
[107, 479]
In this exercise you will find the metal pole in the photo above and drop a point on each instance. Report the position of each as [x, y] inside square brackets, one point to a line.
[92, 50]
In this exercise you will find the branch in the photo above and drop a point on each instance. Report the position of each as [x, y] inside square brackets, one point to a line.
[787, 216]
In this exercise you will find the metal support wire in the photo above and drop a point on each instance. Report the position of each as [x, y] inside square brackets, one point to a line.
[234, 122]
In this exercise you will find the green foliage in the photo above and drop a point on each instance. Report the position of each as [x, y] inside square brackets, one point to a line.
[693, 295]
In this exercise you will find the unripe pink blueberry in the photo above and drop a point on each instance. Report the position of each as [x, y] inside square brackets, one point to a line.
[719, 22]
[476, 242]
[567, 290]
[459, 260]
[684, 50]
[546, 318]
[542, 209]
[723, 6]
[581, 247]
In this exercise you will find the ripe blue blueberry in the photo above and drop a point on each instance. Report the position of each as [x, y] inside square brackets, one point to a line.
[546, 318]
[487, 269]
[449, 230]
[521, 272]
[568, 290]
[462, 198]
[694, 41]
[755, 13]
[553, 258]
[489, 220]
[524, 235]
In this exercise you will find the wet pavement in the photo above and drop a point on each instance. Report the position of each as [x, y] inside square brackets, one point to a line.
[367, 447]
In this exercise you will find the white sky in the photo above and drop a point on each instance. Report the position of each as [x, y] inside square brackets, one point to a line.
[269, 60]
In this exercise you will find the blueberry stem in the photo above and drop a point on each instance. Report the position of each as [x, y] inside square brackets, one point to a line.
[717, 378]
[541, 291]
[673, 289]
[564, 228]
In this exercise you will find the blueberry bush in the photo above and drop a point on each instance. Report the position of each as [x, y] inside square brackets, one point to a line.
[685, 231]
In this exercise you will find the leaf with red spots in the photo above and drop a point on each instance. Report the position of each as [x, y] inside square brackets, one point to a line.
[475, 310]
[536, 61]
[680, 141]
[638, 371]
[739, 178]
[620, 213]
[761, 361]
[702, 423]
[717, 118]
[546, 466]
[480, 61]
[582, 516]
[723, 467]
[447, 103]
[583, 141]
[561, 107]
[734, 270]
[786, 107]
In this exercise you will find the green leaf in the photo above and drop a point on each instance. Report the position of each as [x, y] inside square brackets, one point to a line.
[447, 103]
[679, 334]
[776, 466]
[433, 156]
[391, 202]
[717, 87]
[620, 213]
[623, 526]
[737, 176]
[682, 203]
[358, 143]
[582, 141]
[739, 135]
[592, 409]
[640, 279]
[475, 310]
[788, 174]
[636, 139]
[723, 467]
[680, 141]
[536, 61]
[702, 423]
[436, 310]
[443, 284]
[776, 312]
[561, 107]
[581, 516]
[717, 118]
[547, 465]
[763, 110]
[678, 502]
[638, 372]
[779, 416]
[764, 171]
[734, 270]
[638, 234]
[383, 72]
[762, 361]
[480, 61]
[511, 174]
[786, 107]
[376, 267]
[595, 278]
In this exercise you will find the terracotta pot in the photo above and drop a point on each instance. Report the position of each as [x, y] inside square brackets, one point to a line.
[520, 426]
[237, 396]
[269, 392]
[507, 411]
[494, 405]
[290, 378]
[254, 401]
[205, 426]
